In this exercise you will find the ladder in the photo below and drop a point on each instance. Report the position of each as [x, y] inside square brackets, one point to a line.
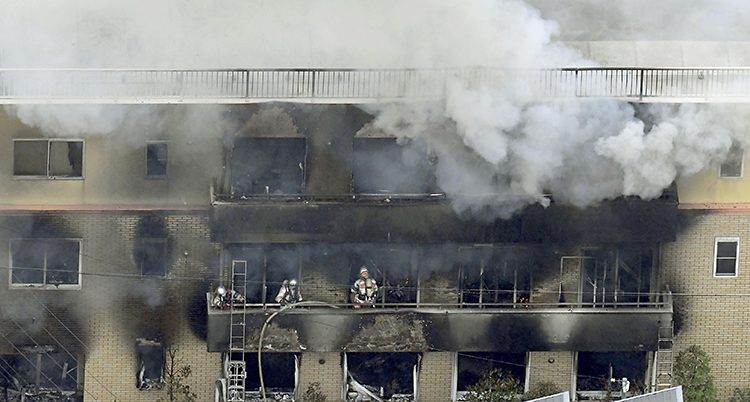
[236, 371]
[664, 358]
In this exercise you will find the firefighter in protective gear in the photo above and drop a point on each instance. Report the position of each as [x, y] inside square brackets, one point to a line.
[364, 290]
[218, 300]
[288, 293]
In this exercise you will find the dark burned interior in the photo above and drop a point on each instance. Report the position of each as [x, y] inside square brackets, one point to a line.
[151, 360]
[391, 166]
[390, 376]
[472, 366]
[39, 372]
[596, 369]
[280, 372]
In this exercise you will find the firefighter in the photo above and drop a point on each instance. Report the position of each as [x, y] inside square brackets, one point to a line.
[364, 290]
[219, 297]
[288, 293]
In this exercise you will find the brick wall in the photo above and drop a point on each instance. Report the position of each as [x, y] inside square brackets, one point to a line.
[325, 369]
[436, 377]
[115, 305]
[712, 312]
[554, 367]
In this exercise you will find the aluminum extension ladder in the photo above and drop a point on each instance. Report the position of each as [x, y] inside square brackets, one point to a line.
[664, 358]
[236, 371]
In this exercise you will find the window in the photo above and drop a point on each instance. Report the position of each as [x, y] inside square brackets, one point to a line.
[266, 268]
[384, 376]
[150, 364]
[595, 371]
[42, 372]
[45, 262]
[48, 158]
[499, 276]
[280, 375]
[151, 256]
[156, 160]
[732, 166]
[726, 252]
[385, 166]
[470, 367]
[268, 166]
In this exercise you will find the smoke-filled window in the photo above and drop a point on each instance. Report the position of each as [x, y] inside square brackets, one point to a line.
[53, 262]
[386, 166]
[48, 158]
[472, 367]
[495, 276]
[151, 256]
[151, 360]
[726, 251]
[388, 376]
[41, 372]
[732, 166]
[156, 160]
[597, 369]
[268, 166]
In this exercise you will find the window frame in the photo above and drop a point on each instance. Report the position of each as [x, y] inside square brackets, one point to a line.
[742, 164]
[164, 243]
[166, 162]
[726, 239]
[44, 285]
[49, 142]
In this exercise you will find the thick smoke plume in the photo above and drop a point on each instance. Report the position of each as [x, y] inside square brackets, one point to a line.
[496, 151]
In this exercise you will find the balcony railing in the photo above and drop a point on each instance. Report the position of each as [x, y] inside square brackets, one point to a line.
[366, 85]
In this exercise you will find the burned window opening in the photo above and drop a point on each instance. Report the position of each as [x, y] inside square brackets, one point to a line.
[608, 276]
[387, 376]
[496, 276]
[280, 374]
[385, 166]
[151, 361]
[268, 166]
[40, 373]
[156, 160]
[48, 158]
[732, 167]
[151, 256]
[45, 262]
[471, 366]
[596, 370]
[267, 269]
[393, 268]
[726, 260]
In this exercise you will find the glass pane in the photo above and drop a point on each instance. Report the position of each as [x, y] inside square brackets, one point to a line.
[726, 249]
[66, 158]
[725, 266]
[156, 160]
[62, 262]
[30, 158]
[27, 260]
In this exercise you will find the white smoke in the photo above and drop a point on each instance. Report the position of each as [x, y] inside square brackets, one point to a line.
[497, 151]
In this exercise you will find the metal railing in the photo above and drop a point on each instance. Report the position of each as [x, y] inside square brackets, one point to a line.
[366, 85]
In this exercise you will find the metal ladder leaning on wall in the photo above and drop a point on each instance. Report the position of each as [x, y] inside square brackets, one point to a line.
[664, 358]
[236, 370]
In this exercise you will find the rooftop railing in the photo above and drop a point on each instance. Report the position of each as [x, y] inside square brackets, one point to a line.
[367, 85]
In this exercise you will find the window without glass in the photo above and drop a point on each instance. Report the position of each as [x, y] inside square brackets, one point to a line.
[281, 371]
[151, 256]
[499, 276]
[268, 166]
[266, 268]
[471, 366]
[732, 166]
[42, 369]
[156, 160]
[388, 376]
[45, 262]
[595, 369]
[383, 165]
[393, 268]
[151, 360]
[726, 261]
[48, 158]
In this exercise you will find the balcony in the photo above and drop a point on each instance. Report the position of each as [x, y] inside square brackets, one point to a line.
[349, 86]
[498, 327]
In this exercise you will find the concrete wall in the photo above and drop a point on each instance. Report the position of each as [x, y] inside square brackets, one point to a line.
[712, 312]
[708, 188]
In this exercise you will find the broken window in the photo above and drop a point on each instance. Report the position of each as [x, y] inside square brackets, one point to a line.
[391, 166]
[595, 371]
[45, 262]
[438, 274]
[732, 165]
[280, 375]
[268, 166]
[387, 376]
[726, 251]
[151, 358]
[156, 160]
[495, 275]
[470, 367]
[151, 256]
[267, 268]
[393, 268]
[48, 158]
[40, 372]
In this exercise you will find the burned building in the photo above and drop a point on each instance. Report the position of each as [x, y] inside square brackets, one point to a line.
[246, 179]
